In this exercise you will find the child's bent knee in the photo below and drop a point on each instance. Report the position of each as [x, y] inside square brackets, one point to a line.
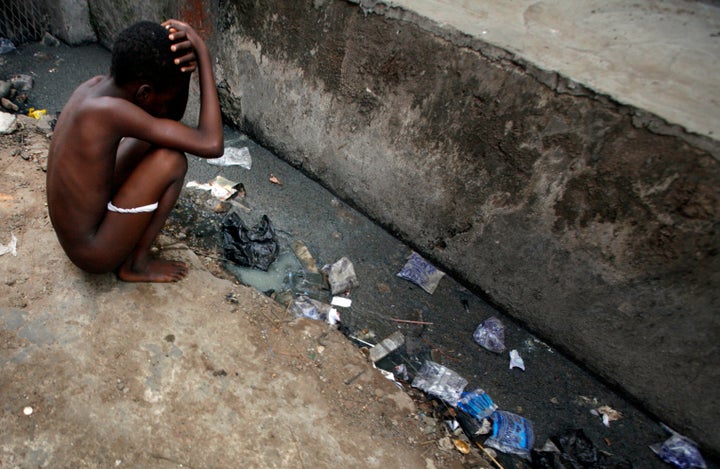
[169, 161]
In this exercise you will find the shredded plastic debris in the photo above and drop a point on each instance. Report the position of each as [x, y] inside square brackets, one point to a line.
[421, 273]
[490, 334]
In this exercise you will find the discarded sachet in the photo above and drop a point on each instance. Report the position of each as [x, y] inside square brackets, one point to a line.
[220, 187]
[679, 451]
[256, 247]
[511, 434]
[418, 271]
[234, 156]
[477, 403]
[306, 307]
[341, 276]
[440, 382]
[490, 334]
[516, 360]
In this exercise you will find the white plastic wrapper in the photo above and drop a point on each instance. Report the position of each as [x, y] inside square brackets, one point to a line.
[234, 156]
[441, 382]
[516, 360]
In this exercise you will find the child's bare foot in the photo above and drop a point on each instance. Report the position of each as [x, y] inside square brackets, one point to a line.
[154, 270]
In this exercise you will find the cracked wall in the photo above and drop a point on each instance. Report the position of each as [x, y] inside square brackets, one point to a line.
[564, 208]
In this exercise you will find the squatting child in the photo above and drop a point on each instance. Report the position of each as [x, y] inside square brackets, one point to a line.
[117, 159]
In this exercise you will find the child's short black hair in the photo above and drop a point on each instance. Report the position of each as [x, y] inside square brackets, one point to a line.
[142, 52]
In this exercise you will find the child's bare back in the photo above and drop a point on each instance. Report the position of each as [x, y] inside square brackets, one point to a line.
[116, 163]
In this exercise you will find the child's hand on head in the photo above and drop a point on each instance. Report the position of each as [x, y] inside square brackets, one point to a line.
[181, 46]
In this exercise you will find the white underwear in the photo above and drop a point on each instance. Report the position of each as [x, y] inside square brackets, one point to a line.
[144, 208]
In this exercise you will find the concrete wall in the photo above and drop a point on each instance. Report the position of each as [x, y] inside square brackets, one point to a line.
[564, 208]
[70, 21]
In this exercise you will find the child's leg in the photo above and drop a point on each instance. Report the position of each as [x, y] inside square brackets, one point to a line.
[140, 266]
[123, 239]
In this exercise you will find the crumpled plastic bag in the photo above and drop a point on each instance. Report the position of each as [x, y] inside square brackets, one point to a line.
[511, 434]
[490, 334]
[256, 247]
[418, 271]
[306, 307]
[440, 381]
[341, 276]
[574, 449]
[233, 156]
[679, 451]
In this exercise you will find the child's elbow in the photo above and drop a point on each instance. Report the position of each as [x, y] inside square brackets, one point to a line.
[217, 151]
[214, 151]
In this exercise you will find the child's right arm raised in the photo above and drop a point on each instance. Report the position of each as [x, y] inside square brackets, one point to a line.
[184, 37]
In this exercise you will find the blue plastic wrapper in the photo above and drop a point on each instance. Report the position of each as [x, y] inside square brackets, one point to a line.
[490, 334]
[511, 434]
[477, 403]
[419, 272]
[439, 381]
[679, 451]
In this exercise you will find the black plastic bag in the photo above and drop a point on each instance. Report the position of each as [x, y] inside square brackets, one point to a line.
[576, 451]
[256, 247]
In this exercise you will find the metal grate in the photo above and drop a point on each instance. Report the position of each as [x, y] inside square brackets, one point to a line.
[23, 20]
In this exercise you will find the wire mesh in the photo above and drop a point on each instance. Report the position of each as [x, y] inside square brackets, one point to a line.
[23, 20]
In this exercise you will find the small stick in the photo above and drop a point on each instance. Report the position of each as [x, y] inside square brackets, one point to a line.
[500, 466]
[362, 341]
[411, 322]
[350, 381]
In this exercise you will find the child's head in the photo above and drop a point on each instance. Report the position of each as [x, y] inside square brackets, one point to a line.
[142, 54]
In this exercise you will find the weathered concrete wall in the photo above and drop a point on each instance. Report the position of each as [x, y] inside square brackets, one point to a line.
[109, 17]
[563, 207]
[71, 21]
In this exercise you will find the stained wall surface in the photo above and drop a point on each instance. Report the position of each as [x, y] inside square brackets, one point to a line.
[591, 220]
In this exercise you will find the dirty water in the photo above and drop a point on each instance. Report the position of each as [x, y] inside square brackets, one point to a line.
[555, 393]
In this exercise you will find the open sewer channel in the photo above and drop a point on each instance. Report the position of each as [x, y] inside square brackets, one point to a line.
[555, 393]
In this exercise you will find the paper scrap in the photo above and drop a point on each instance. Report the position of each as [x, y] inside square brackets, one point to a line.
[11, 247]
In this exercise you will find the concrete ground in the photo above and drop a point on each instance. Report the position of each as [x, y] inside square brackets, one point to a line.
[201, 373]
[179, 375]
